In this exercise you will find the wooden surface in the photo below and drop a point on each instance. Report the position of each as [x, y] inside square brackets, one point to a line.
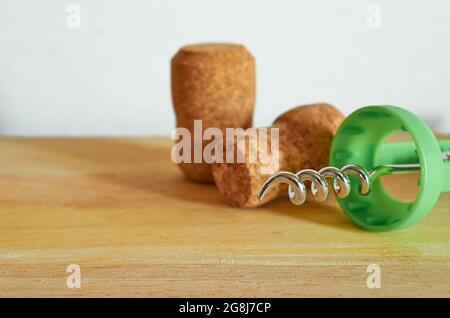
[122, 211]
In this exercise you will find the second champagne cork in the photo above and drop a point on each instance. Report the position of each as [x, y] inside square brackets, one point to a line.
[214, 83]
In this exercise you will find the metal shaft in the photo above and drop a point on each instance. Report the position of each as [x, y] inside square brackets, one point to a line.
[398, 169]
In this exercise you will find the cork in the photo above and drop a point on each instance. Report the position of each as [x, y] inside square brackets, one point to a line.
[305, 135]
[215, 83]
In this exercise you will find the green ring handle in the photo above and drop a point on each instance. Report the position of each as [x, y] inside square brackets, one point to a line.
[359, 140]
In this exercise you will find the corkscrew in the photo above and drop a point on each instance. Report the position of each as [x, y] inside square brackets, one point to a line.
[358, 144]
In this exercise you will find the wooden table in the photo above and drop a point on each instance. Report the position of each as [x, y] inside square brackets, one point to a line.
[120, 209]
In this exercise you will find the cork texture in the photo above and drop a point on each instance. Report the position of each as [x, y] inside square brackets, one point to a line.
[214, 83]
[305, 132]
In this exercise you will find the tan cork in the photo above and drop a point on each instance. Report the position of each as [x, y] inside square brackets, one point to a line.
[305, 135]
[214, 83]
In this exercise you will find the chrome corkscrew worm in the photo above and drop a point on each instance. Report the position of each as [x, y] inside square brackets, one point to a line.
[319, 186]
[340, 180]
[359, 149]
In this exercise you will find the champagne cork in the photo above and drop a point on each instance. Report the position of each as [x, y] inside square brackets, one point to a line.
[305, 135]
[214, 83]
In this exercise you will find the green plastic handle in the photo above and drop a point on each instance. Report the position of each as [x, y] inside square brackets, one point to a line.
[359, 140]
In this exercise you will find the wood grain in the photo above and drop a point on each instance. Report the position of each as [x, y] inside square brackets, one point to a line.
[122, 211]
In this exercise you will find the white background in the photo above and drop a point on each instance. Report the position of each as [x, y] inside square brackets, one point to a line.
[111, 76]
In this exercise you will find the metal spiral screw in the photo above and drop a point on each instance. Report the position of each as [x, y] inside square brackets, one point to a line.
[340, 177]
[319, 185]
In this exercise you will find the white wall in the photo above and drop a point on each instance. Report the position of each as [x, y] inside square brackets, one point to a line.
[111, 76]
